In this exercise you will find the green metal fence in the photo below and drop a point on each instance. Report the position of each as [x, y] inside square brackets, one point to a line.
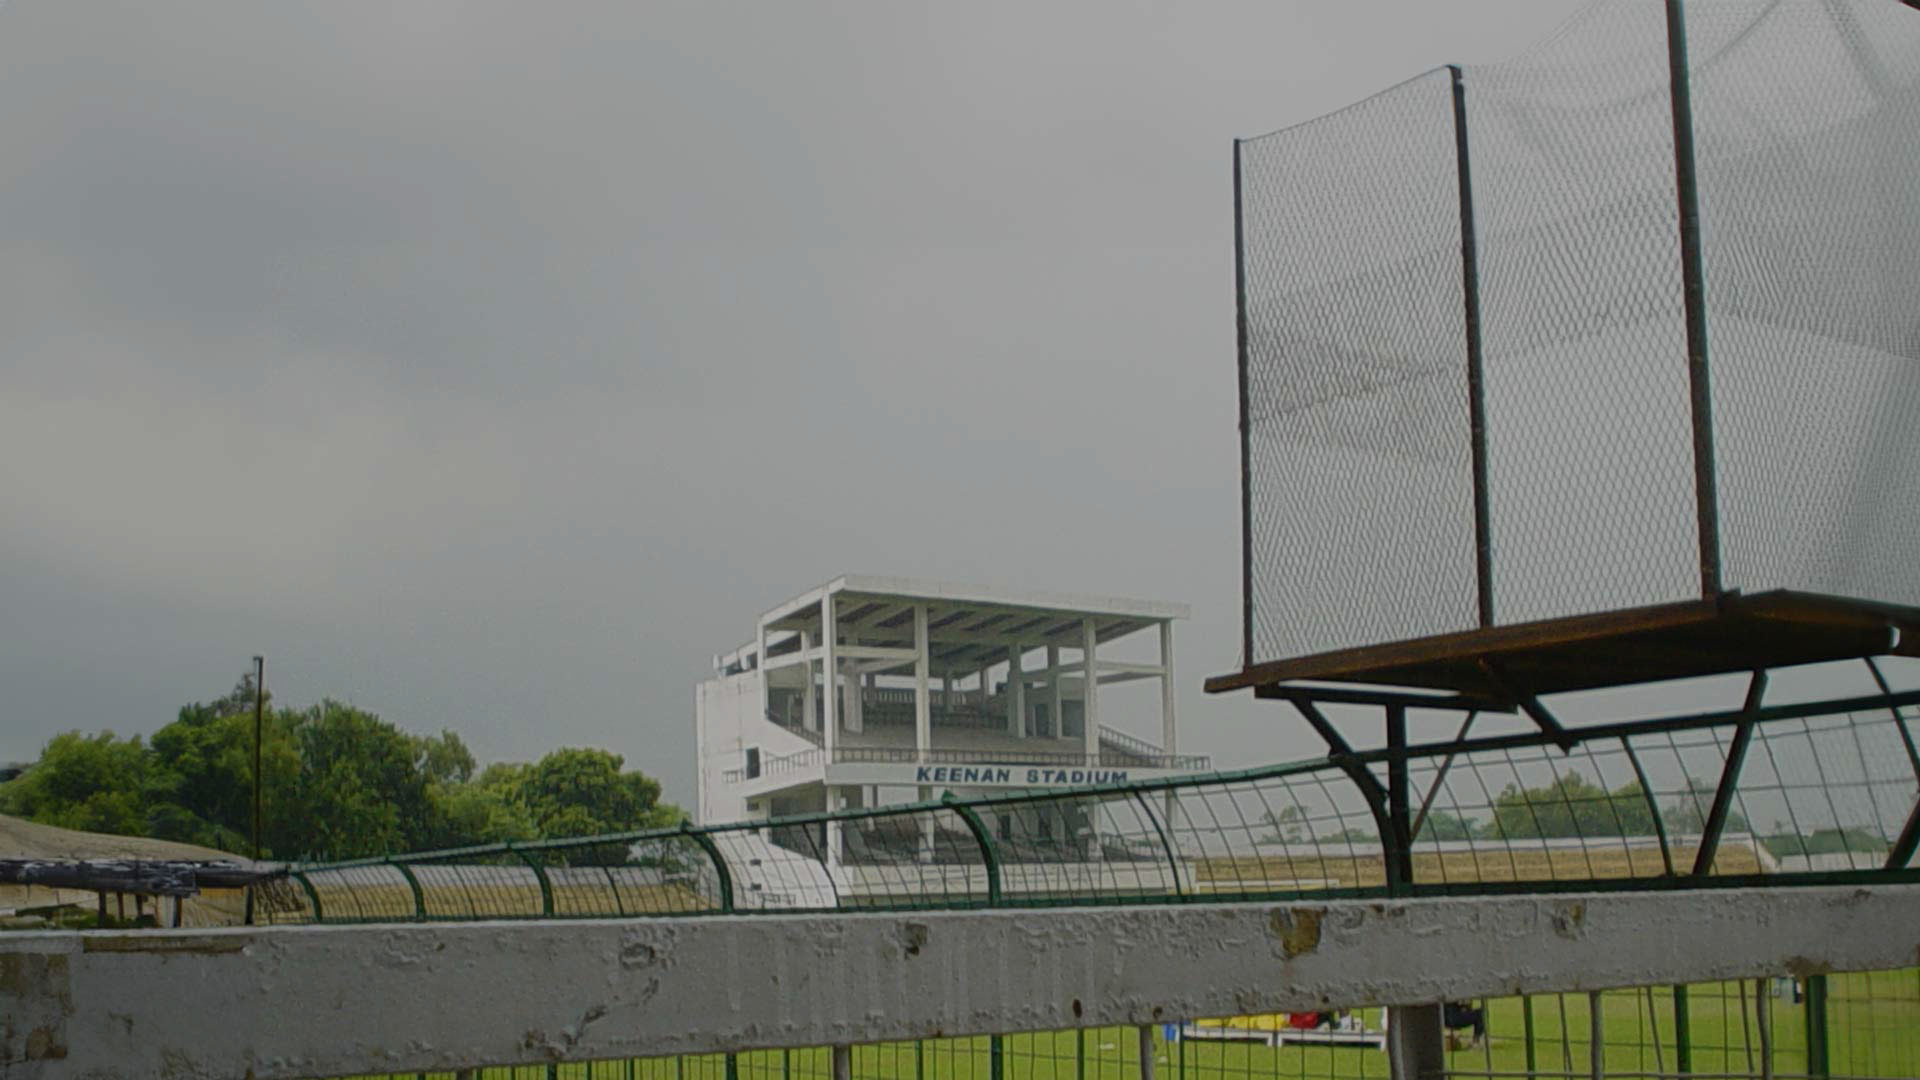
[1861, 1024]
[1816, 793]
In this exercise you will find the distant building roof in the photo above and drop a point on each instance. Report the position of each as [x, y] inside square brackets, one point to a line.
[880, 608]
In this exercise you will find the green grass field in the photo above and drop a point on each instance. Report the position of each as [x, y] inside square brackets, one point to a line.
[1874, 1031]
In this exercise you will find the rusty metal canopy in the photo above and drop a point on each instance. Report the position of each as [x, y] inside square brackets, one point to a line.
[1733, 632]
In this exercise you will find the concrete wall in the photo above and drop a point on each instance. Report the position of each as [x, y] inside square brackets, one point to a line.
[341, 1000]
[728, 719]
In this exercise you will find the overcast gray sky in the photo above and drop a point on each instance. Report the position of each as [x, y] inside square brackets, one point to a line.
[493, 365]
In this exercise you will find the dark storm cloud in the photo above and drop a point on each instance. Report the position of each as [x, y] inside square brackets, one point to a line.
[495, 364]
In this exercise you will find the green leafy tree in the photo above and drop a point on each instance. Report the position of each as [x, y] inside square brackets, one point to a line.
[91, 782]
[1570, 806]
[486, 809]
[1441, 825]
[578, 791]
[1687, 813]
[200, 783]
[360, 790]
[1351, 835]
[1785, 842]
[444, 758]
[339, 782]
[1288, 825]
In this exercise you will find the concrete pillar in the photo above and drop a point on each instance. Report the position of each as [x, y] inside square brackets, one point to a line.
[843, 1063]
[836, 800]
[856, 716]
[1416, 1042]
[808, 719]
[1090, 692]
[922, 697]
[1016, 695]
[1597, 1037]
[925, 853]
[1168, 730]
[760, 665]
[1146, 1052]
[1053, 692]
[830, 677]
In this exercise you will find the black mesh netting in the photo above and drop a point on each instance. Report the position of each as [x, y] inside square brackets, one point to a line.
[1361, 516]
[1807, 131]
[1808, 128]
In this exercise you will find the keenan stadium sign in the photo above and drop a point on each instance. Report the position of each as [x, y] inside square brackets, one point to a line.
[1004, 774]
[989, 775]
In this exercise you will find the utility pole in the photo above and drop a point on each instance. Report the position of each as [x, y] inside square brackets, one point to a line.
[259, 709]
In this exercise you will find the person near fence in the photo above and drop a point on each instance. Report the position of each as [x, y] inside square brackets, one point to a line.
[1457, 1015]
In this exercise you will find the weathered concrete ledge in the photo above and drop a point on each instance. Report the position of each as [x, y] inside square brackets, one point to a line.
[336, 1000]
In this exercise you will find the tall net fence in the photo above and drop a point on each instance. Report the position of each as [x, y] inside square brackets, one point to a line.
[1505, 241]
[1808, 122]
[1356, 395]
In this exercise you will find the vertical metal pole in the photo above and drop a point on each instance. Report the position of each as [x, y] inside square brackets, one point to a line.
[1246, 418]
[1653, 1032]
[1397, 842]
[1146, 1052]
[843, 1063]
[259, 708]
[996, 1065]
[1476, 387]
[1818, 1063]
[919, 1060]
[1693, 285]
[1596, 1037]
[1080, 1054]
[1416, 1042]
[1682, 1032]
[1526, 1019]
[1763, 1021]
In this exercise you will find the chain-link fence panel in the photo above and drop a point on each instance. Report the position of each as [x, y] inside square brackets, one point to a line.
[1589, 437]
[1807, 122]
[1358, 461]
[1617, 472]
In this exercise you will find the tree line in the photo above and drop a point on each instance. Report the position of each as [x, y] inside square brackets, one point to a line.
[1570, 807]
[337, 781]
